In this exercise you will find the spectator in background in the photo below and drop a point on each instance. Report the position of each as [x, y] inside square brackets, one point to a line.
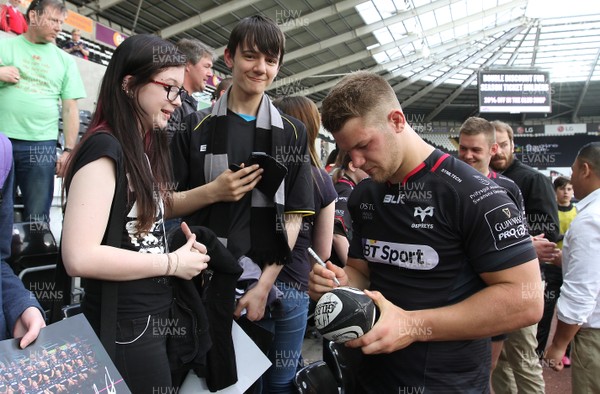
[75, 46]
[11, 19]
[518, 362]
[540, 200]
[316, 232]
[578, 309]
[345, 177]
[563, 188]
[553, 273]
[221, 88]
[20, 313]
[28, 113]
[198, 70]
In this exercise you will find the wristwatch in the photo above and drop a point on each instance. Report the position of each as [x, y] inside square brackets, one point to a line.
[67, 150]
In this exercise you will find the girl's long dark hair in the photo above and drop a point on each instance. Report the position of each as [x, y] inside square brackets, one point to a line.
[142, 57]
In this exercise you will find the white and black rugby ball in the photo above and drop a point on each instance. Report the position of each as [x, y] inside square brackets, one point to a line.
[344, 313]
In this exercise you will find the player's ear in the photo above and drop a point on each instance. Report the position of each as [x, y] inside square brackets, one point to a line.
[351, 166]
[397, 119]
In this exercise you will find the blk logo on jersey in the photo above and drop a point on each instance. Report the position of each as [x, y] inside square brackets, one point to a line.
[410, 256]
[392, 199]
[415, 191]
[506, 226]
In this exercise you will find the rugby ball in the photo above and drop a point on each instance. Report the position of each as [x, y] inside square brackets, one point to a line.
[344, 313]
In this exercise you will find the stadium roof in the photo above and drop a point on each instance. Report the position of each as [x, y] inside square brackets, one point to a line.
[429, 50]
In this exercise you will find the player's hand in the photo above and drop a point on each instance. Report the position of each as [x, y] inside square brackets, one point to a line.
[320, 279]
[395, 329]
[553, 356]
[254, 302]
[10, 74]
[545, 250]
[233, 185]
[28, 326]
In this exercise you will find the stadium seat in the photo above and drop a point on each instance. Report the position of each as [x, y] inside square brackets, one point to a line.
[32, 245]
[40, 280]
[84, 121]
[71, 310]
[346, 362]
[316, 378]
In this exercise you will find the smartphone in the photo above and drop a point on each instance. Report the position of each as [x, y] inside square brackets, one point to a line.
[259, 158]
[273, 173]
[255, 158]
[234, 167]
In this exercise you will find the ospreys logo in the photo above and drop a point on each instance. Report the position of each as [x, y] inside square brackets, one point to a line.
[422, 213]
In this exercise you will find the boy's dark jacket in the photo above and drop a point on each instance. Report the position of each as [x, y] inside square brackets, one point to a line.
[216, 298]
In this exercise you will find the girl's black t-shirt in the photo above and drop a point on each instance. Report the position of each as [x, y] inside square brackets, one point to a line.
[136, 298]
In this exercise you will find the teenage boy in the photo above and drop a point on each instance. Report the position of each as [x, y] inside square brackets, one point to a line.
[259, 229]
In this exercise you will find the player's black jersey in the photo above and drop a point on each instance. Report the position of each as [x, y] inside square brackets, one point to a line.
[426, 240]
[511, 187]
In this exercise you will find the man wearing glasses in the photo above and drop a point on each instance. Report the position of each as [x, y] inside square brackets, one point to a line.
[34, 74]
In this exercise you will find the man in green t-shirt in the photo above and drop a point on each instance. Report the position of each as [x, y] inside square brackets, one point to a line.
[34, 75]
